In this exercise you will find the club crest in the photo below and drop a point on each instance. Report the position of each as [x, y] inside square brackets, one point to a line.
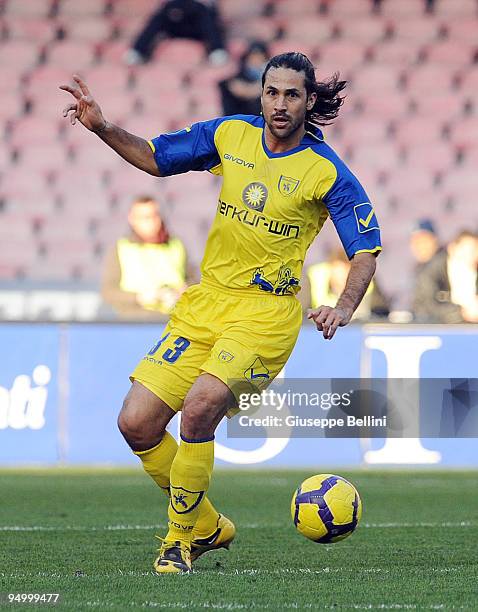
[183, 501]
[287, 185]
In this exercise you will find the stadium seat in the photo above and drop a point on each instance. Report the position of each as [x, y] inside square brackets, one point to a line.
[464, 133]
[441, 106]
[460, 29]
[131, 182]
[180, 52]
[381, 156]
[375, 77]
[406, 179]
[33, 130]
[88, 30]
[49, 102]
[107, 78]
[31, 28]
[86, 8]
[348, 9]
[311, 31]
[27, 8]
[468, 82]
[48, 77]
[287, 44]
[12, 105]
[145, 125]
[71, 178]
[113, 52]
[291, 9]
[423, 79]
[366, 30]
[44, 157]
[24, 54]
[415, 130]
[234, 10]
[416, 31]
[167, 105]
[73, 55]
[131, 8]
[430, 157]
[360, 131]
[94, 155]
[393, 105]
[156, 78]
[345, 55]
[398, 54]
[402, 9]
[460, 185]
[450, 53]
[463, 8]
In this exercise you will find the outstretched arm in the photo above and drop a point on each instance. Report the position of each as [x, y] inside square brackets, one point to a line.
[361, 272]
[133, 149]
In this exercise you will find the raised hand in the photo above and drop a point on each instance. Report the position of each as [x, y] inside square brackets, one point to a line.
[327, 319]
[85, 108]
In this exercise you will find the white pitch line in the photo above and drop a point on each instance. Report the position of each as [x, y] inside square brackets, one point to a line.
[86, 528]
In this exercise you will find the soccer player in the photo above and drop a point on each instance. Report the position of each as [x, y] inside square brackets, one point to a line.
[280, 183]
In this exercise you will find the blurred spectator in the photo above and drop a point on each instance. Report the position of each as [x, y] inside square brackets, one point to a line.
[145, 272]
[424, 241]
[196, 19]
[326, 281]
[241, 93]
[446, 287]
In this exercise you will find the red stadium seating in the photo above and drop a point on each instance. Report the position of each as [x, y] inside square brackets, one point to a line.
[416, 31]
[402, 9]
[73, 55]
[397, 54]
[309, 30]
[365, 30]
[462, 8]
[31, 28]
[448, 52]
[85, 8]
[349, 9]
[409, 125]
[24, 54]
[27, 8]
[295, 8]
[90, 29]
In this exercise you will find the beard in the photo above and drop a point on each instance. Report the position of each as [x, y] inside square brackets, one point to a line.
[288, 129]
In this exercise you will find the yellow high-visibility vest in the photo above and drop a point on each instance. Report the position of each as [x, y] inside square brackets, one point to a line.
[146, 265]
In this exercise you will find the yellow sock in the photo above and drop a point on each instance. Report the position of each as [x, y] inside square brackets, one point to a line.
[157, 463]
[190, 476]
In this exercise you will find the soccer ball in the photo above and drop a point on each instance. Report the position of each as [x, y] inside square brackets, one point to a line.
[326, 508]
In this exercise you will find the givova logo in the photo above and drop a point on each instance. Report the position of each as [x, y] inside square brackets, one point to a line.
[23, 406]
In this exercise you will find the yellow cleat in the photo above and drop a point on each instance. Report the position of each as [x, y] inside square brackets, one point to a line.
[221, 538]
[174, 558]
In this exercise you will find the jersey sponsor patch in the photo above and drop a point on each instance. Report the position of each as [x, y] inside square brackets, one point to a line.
[254, 196]
[365, 217]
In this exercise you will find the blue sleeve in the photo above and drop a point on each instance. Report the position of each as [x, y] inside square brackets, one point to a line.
[190, 149]
[352, 214]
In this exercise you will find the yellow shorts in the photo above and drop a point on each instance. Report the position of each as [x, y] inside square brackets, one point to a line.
[244, 341]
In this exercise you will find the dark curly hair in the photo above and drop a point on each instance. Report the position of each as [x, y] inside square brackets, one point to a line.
[329, 100]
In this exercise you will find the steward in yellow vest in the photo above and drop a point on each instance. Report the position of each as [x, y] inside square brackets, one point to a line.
[145, 273]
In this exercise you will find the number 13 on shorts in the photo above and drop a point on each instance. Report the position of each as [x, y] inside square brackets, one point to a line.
[171, 355]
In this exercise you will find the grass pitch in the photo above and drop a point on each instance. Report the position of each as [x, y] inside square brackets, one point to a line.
[88, 535]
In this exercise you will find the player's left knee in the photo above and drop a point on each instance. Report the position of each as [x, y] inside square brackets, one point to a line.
[196, 422]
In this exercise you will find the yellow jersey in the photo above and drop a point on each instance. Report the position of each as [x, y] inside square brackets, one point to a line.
[271, 205]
